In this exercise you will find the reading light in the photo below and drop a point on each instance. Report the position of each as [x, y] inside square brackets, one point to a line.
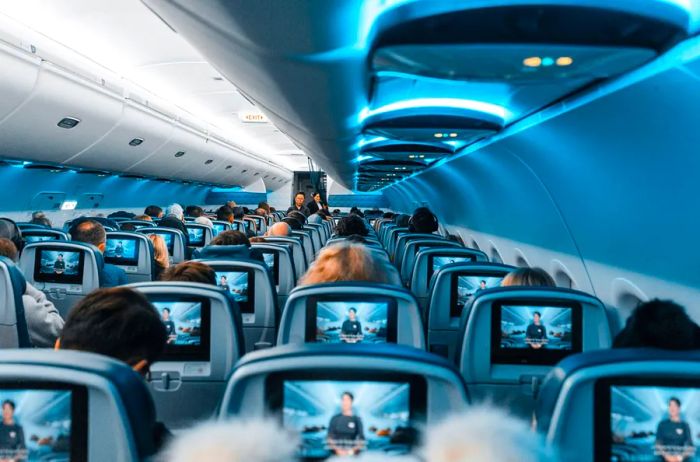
[135, 141]
[533, 61]
[68, 122]
[438, 103]
[546, 62]
[179, 153]
[565, 61]
[438, 135]
[453, 135]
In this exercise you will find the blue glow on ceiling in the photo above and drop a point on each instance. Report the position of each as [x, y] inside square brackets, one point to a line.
[437, 104]
[365, 141]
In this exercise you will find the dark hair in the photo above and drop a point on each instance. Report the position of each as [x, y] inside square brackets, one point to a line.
[300, 193]
[483, 280]
[293, 223]
[153, 211]
[224, 213]
[352, 224]
[88, 231]
[43, 221]
[537, 313]
[194, 211]
[238, 212]
[356, 238]
[659, 324]
[265, 206]
[530, 277]
[60, 254]
[128, 227]
[230, 238]
[9, 402]
[347, 393]
[388, 215]
[166, 309]
[300, 217]
[676, 400]
[8, 249]
[190, 271]
[423, 221]
[354, 310]
[118, 322]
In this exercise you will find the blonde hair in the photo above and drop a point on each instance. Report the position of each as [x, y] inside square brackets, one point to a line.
[348, 262]
[143, 217]
[160, 251]
[533, 277]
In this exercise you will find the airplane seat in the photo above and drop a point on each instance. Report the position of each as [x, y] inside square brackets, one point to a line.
[315, 234]
[174, 241]
[298, 254]
[278, 258]
[199, 235]
[220, 227]
[608, 404]
[78, 406]
[136, 224]
[14, 332]
[368, 242]
[24, 226]
[45, 234]
[397, 391]
[250, 283]
[66, 271]
[239, 225]
[384, 229]
[505, 354]
[319, 314]
[187, 383]
[452, 289]
[307, 244]
[260, 224]
[250, 224]
[399, 246]
[134, 255]
[408, 256]
[392, 237]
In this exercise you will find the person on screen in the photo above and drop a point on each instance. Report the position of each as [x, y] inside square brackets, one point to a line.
[482, 285]
[223, 283]
[345, 435]
[674, 440]
[12, 444]
[351, 330]
[59, 266]
[169, 325]
[119, 250]
[536, 334]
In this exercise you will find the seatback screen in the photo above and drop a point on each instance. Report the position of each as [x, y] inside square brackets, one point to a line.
[38, 238]
[239, 284]
[272, 261]
[435, 262]
[188, 326]
[467, 286]
[362, 320]
[646, 420]
[196, 236]
[43, 422]
[218, 228]
[528, 333]
[122, 251]
[169, 240]
[59, 265]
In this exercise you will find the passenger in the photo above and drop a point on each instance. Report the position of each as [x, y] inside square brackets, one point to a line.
[351, 225]
[202, 220]
[423, 221]
[402, 220]
[315, 204]
[299, 206]
[44, 322]
[92, 232]
[128, 227]
[161, 256]
[143, 218]
[659, 324]
[300, 217]
[175, 219]
[121, 214]
[249, 440]
[229, 239]
[293, 223]
[273, 210]
[190, 271]
[349, 262]
[484, 433]
[194, 211]
[261, 212]
[266, 207]
[224, 213]
[356, 211]
[336, 212]
[40, 218]
[532, 277]
[231, 204]
[281, 229]
[389, 215]
[153, 211]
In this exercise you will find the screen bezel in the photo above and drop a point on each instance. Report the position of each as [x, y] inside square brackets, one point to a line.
[125, 262]
[431, 262]
[184, 353]
[276, 269]
[311, 313]
[79, 411]
[454, 285]
[47, 278]
[602, 431]
[249, 306]
[27, 235]
[215, 226]
[542, 357]
[200, 243]
[418, 394]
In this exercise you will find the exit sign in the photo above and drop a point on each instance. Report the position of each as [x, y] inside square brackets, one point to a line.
[252, 117]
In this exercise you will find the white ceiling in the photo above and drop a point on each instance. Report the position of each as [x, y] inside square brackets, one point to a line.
[127, 38]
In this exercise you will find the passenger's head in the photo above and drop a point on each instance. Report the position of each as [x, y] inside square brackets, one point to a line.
[224, 213]
[280, 229]
[230, 204]
[8, 249]
[484, 433]
[352, 224]
[160, 251]
[300, 217]
[9, 230]
[347, 262]
[293, 223]
[153, 211]
[118, 322]
[143, 218]
[265, 206]
[239, 212]
[388, 215]
[423, 221]
[317, 197]
[194, 211]
[190, 271]
[202, 220]
[533, 277]
[89, 232]
[249, 440]
[299, 199]
[40, 218]
[231, 238]
[659, 324]
[175, 210]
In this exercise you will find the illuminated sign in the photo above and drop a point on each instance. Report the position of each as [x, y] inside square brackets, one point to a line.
[252, 117]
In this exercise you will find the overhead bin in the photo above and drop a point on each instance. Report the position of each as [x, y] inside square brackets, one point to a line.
[17, 79]
[433, 128]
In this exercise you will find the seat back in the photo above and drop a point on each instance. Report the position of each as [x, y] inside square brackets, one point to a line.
[77, 406]
[219, 227]
[397, 249]
[239, 225]
[137, 224]
[251, 225]
[205, 341]
[260, 224]
[13, 323]
[570, 322]
[428, 260]
[321, 229]
[391, 238]
[174, 241]
[408, 256]
[307, 244]
[251, 285]
[614, 405]
[199, 235]
[23, 226]
[133, 252]
[315, 237]
[398, 390]
[321, 314]
[453, 288]
[37, 235]
[384, 229]
[278, 257]
[66, 271]
[298, 254]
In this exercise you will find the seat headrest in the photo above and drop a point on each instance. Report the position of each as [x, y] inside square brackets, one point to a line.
[233, 252]
[18, 286]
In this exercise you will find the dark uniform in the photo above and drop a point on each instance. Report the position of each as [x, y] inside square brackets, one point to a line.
[12, 442]
[345, 430]
[119, 251]
[537, 333]
[169, 327]
[59, 266]
[352, 329]
[303, 209]
[674, 438]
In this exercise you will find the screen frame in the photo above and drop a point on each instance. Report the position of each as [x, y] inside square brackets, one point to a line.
[311, 313]
[431, 262]
[200, 243]
[125, 262]
[71, 280]
[28, 234]
[602, 431]
[249, 306]
[79, 410]
[454, 284]
[184, 353]
[276, 270]
[543, 357]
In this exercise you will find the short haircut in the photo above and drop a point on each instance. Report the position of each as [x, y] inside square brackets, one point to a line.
[8, 249]
[659, 324]
[537, 313]
[60, 254]
[117, 322]
[423, 221]
[300, 193]
[89, 232]
[143, 218]
[166, 309]
[265, 206]
[354, 310]
[300, 217]
[194, 211]
[293, 223]
[675, 400]
[531, 277]
[352, 224]
[153, 211]
[43, 221]
[9, 402]
[224, 213]
[349, 395]
[190, 271]
[231, 238]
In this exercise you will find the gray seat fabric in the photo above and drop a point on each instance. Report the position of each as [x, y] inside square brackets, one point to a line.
[14, 332]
